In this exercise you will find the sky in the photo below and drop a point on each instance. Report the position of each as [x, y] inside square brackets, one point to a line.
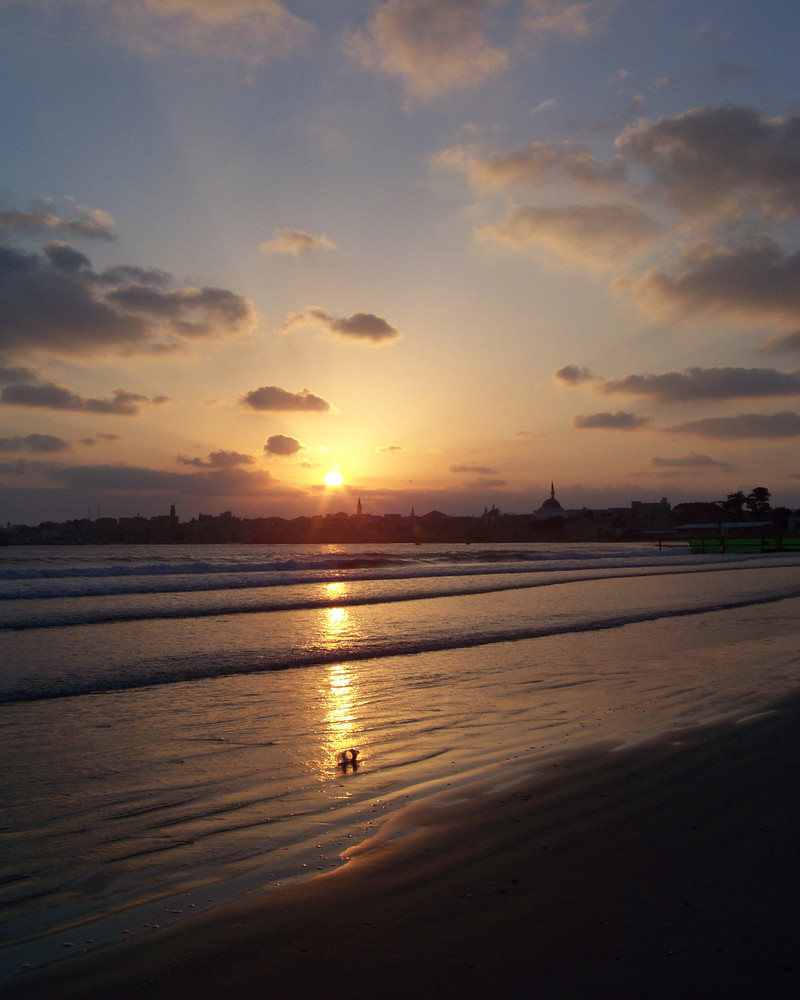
[454, 250]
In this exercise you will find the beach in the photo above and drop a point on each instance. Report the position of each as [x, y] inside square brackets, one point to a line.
[579, 781]
[671, 868]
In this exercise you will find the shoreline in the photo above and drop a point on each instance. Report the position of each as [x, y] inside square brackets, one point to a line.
[645, 870]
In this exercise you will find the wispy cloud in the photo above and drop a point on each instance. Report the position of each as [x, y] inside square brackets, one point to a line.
[746, 425]
[295, 243]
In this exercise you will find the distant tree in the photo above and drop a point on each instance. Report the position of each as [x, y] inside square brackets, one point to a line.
[733, 504]
[780, 518]
[757, 501]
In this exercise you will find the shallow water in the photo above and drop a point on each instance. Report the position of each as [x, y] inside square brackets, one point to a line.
[199, 760]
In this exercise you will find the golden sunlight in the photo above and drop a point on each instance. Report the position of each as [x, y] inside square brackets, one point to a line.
[333, 478]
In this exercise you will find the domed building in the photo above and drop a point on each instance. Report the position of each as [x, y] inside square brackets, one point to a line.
[551, 507]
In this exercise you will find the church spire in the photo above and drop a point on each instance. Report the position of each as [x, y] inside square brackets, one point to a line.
[552, 490]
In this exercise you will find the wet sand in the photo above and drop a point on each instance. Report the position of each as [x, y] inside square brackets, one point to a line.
[668, 869]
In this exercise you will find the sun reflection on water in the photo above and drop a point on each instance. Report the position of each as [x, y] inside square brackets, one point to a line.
[340, 726]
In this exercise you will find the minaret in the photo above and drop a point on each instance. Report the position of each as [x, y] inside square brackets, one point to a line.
[552, 490]
[358, 508]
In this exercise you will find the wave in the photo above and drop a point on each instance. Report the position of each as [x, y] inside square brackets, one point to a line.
[177, 670]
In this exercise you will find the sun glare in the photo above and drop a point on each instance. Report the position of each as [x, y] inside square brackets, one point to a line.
[333, 478]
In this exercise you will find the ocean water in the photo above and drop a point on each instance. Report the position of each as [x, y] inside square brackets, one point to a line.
[171, 716]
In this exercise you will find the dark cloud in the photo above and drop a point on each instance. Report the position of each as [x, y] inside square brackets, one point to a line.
[55, 303]
[360, 326]
[64, 257]
[281, 445]
[391, 447]
[190, 312]
[708, 383]
[611, 421]
[91, 222]
[691, 461]
[10, 375]
[477, 469]
[48, 395]
[573, 375]
[43, 443]
[782, 345]
[745, 425]
[218, 460]
[136, 479]
[729, 159]
[273, 398]
[758, 282]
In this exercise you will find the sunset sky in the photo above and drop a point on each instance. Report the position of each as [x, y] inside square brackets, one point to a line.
[451, 249]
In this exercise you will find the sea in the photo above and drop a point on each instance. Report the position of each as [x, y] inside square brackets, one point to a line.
[172, 718]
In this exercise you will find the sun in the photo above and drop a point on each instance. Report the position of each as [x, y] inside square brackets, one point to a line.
[333, 478]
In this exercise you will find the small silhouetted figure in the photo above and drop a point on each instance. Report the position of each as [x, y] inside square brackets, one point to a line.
[347, 758]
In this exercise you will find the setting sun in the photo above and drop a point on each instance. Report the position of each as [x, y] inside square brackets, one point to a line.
[333, 478]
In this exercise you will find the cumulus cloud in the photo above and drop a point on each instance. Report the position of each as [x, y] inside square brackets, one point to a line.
[573, 375]
[480, 470]
[746, 425]
[690, 461]
[432, 46]
[619, 421]
[592, 235]
[294, 243]
[708, 383]
[252, 32]
[730, 159]
[49, 396]
[41, 443]
[54, 303]
[218, 460]
[358, 327]
[281, 445]
[273, 398]
[758, 281]
[85, 221]
[533, 166]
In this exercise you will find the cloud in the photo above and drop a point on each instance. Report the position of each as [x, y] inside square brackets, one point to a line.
[281, 445]
[273, 398]
[432, 46]
[218, 460]
[252, 32]
[573, 375]
[782, 345]
[746, 425]
[358, 327]
[477, 469]
[611, 421]
[534, 166]
[758, 281]
[126, 479]
[55, 304]
[294, 243]
[592, 235]
[571, 22]
[390, 447]
[708, 383]
[49, 396]
[729, 159]
[88, 222]
[690, 461]
[42, 443]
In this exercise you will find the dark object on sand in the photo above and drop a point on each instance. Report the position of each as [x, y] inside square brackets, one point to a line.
[347, 758]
